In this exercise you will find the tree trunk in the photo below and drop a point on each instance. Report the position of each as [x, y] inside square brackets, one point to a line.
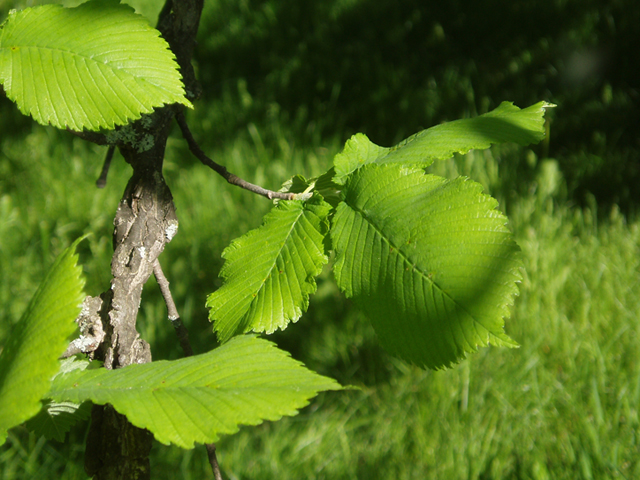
[144, 223]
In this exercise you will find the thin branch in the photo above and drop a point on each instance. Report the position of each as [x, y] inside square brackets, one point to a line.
[224, 173]
[94, 137]
[102, 181]
[183, 337]
[172, 311]
[211, 452]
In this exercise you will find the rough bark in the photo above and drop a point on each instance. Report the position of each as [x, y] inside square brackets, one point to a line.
[144, 223]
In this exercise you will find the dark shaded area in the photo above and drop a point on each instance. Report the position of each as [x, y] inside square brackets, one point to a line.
[391, 68]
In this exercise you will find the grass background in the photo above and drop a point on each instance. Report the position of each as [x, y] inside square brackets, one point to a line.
[285, 85]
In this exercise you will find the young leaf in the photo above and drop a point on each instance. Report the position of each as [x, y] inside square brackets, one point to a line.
[197, 399]
[94, 66]
[324, 185]
[429, 260]
[507, 123]
[358, 151]
[30, 357]
[269, 272]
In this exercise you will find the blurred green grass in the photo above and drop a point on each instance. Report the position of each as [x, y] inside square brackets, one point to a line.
[281, 101]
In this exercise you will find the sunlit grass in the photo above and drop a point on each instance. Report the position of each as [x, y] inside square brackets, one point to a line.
[564, 405]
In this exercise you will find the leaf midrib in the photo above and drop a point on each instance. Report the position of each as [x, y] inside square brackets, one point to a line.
[414, 267]
[90, 58]
[272, 267]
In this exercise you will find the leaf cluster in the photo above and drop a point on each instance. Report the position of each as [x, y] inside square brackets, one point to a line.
[429, 260]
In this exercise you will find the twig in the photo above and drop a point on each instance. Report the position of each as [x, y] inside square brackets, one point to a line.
[211, 452]
[102, 181]
[172, 311]
[224, 173]
[94, 137]
[183, 338]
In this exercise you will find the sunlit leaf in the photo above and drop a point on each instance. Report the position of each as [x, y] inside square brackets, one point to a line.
[269, 272]
[30, 357]
[507, 123]
[429, 260]
[199, 398]
[91, 67]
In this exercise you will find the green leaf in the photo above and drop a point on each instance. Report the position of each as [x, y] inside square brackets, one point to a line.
[94, 66]
[329, 189]
[30, 357]
[507, 123]
[324, 185]
[197, 399]
[269, 272]
[358, 151]
[429, 260]
[56, 419]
